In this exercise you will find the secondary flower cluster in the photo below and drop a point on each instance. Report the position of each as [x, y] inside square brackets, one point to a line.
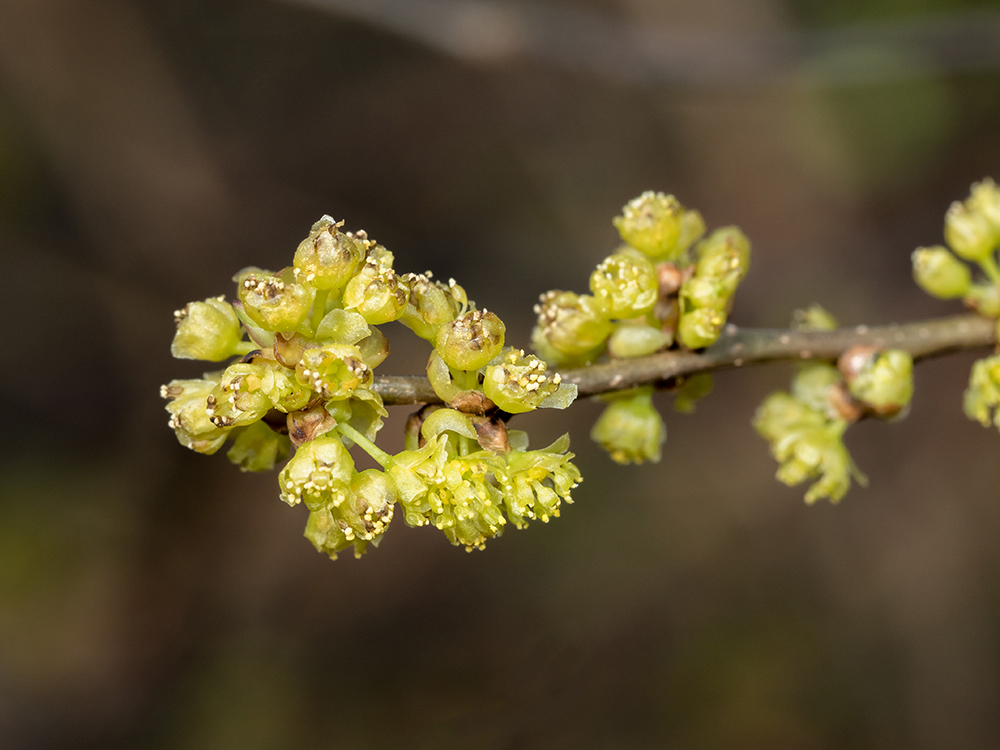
[972, 231]
[305, 379]
[805, 427]
[666, 287]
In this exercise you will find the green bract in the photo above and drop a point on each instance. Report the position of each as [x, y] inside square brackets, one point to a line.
[631, 429]
[207, 330]
[940, 273]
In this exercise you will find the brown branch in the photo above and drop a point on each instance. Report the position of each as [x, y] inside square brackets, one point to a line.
[738, 347]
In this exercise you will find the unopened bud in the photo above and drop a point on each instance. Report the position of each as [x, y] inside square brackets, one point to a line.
[207, 330]
[985, 200]
[885, 382]
[637, 340]
[968, 233]
[630, 428]
[940, 273]
[700, 328]
[983, 394]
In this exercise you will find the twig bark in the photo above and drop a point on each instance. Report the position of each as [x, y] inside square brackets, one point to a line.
[738, 347]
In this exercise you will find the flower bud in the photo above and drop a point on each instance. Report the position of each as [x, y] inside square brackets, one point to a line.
[376, 292]
[781, 413]
[630, 428]
[984, 299]
[319, 474]
[334, 371]
[725, 256]
[207, 330]
[813, 318]
[637, 340]
[985, 201]
[705, 292]
[692, 389]
[571, 324]
[812, 383]
[518, 383]
[239, 400]
[968, 233]
[271, 302]
[431, 304]
[884, 381]
[983, 394]
[189, 417]
[624, 286]
[258, 447]
[329, 258]
[471, 341]
[815, 453]
[939, 273]
[700, 328]
[652, 224]
[535, 483]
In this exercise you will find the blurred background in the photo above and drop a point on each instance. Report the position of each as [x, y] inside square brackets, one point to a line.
[155, 598]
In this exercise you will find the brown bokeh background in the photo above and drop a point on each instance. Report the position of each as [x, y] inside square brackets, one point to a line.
[154, 598]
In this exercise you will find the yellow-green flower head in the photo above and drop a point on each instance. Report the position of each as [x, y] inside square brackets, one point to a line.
[724, 255]
[238, 399]
[361, 518]
[258, 448]
[939, 273]
[207, 330]
[968, 232]
[328, 258]
[637, 340]
[985, 201]
[273, 303]
[625, 286]
[812, 383]
[319, 474]
[814, 453]
[534, 483]
[652, 223]
[984, 298]
[885, 382]
[519, 383]
[279, 384]
[189, 417]
[334, 371]
[376, 292]
[700, 327]
[471, 341]
[630, 428]
[572, 324]
[983, 394]
[781, 414]
[452, 493]
[431, 304]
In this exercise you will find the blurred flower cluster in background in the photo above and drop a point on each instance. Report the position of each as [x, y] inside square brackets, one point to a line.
[150, 597]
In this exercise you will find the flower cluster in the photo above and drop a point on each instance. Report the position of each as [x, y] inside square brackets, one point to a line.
[304, 377]
[805, 427]
[972, 231]
[666, 287]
